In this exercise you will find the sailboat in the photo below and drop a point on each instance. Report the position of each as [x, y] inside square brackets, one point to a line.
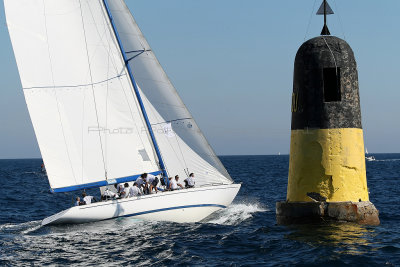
[368, 158]
[104, 112]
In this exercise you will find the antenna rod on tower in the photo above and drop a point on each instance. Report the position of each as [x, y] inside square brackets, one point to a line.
[325, 10]
[325, 13]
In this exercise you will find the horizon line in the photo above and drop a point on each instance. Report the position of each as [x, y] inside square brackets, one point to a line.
[225, 155]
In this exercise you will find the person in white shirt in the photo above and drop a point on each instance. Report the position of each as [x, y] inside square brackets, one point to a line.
[171, 183]
[87, 199]
[134, 191]
[125, 191]
[108, 194]
[189, 182]
[174, 183]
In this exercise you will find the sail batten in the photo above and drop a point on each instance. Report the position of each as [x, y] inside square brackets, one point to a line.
[71, 86]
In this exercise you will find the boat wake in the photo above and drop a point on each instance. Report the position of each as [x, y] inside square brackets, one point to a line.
[20, 228]
[236, 213]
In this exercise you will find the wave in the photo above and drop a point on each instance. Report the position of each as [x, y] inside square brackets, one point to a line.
[236, 213]
[386, 160]
[37, 173]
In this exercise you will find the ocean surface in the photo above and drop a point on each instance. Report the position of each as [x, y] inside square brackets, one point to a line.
[244, 234]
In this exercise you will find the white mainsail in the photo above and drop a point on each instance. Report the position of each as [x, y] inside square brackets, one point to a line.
[182, 145]
[80, 99]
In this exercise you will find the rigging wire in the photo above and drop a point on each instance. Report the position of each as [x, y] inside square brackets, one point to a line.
[136, 90]
[122, 73]
[114, 65]
[83, 131]
[309, 20]
[55, 92]
[213, 160]
[94, 95]
[107, 91]
[340, 20]
[186, 170]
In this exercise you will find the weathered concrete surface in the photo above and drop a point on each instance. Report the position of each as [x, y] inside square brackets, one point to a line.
[363, 212]
[330, 162]
[309, 109]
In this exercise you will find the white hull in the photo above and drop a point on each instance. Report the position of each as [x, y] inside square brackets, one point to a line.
[182, 206]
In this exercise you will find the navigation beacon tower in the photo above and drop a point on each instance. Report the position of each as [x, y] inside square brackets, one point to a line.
[327, 178]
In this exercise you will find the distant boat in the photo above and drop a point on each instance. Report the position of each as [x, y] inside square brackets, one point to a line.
[370, 158]
[104, 112]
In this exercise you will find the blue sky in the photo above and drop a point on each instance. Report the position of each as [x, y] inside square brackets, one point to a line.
[232, 63]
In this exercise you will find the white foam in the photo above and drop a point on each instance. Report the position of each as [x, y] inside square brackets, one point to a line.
[386, 160]
[236, 213]
[23, 228]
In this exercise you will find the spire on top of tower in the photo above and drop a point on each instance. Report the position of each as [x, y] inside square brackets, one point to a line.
[325, 9]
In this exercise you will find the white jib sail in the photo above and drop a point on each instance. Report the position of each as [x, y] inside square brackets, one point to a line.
[86, 118]
[182, 144]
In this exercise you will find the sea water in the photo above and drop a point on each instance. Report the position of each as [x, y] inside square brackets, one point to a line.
[244, 234]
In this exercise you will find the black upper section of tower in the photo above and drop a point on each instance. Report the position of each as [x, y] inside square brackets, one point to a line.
[325, 86]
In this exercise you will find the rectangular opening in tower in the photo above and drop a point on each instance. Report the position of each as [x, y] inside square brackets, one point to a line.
[332, 84]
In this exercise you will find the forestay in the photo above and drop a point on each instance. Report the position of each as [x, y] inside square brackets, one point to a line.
[86, 118]
[182, 145]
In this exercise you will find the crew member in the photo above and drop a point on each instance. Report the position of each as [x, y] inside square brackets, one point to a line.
[134, 191]
[174, 183]
[189, 182]
[87, 199]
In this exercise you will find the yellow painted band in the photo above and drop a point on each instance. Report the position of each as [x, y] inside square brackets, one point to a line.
[330, 162]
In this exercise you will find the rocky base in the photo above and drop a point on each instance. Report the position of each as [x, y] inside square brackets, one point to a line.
[363, 212]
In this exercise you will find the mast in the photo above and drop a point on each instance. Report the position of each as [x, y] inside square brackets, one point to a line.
[137, 93]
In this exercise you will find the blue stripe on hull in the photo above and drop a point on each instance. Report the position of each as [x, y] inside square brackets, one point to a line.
[174, 208]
